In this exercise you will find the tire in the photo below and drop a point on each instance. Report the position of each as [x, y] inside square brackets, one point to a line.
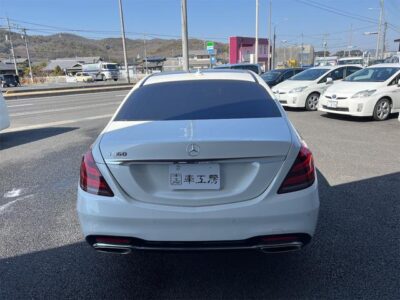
[312, 102]
[115, 79]
[382, 110]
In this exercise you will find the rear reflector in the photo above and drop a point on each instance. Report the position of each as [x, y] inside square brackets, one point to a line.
[91, 179]
[302, 173]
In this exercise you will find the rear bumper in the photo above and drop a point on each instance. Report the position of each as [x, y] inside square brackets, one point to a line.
[289, 213]
[268, 244]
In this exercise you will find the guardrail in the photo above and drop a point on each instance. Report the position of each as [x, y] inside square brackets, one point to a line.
[58, 91]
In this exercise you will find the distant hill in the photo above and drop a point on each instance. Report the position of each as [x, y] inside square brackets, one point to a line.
[69, 45]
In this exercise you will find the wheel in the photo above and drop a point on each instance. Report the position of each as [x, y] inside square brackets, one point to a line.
[115, 79]
[382, 110]
[312, 101]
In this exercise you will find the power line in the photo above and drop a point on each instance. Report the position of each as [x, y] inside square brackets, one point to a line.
[344, 13]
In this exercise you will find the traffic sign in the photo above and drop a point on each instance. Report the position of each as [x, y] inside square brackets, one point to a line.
[210, 46]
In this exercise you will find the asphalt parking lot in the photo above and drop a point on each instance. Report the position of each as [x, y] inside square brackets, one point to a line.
[355, 253]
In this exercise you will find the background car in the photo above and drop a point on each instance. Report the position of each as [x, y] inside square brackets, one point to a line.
[4, 117]
[374, 91]
[198, 161]
[276, 76]
[244, 66]
[83, 77]
[8, 80]
[304, 89]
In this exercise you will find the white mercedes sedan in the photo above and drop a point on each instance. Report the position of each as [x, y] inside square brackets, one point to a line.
[371, 92]
[198, 161]
[4, 117]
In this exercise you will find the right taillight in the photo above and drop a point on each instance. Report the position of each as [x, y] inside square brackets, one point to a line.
[91, 179]
[302, 173]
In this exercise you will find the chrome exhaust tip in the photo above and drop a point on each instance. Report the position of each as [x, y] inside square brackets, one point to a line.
[281, 248]
[110, 248]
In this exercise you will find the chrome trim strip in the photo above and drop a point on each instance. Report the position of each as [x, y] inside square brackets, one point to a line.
[295, 245]
[216, 160]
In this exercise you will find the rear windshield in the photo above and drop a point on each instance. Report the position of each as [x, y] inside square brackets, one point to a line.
[198, 100]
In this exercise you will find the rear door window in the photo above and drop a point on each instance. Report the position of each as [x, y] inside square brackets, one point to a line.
[351, 70]
[198, 100]
[337, 74]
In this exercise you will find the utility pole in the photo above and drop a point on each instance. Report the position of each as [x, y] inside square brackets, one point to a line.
[185, 48]
[302, 48]
[351, 39]
[325, 43]
[256, 45]
[12, 47]
[121, 15]
[381, 3]
[27, 53]
[269, 36]
[145, 52]
[384, 39]
[273, 51]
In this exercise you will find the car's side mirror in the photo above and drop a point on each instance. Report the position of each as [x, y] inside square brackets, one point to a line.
[329, 80]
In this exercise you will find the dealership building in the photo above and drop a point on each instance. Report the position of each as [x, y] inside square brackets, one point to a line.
[242, 49]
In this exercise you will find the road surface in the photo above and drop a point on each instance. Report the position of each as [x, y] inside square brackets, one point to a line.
[355, 253]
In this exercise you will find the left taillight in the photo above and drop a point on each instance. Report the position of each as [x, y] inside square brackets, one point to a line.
[91, 179]
[301, 174]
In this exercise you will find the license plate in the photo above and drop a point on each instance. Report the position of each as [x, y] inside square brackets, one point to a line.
[194, 177]
[332, 104]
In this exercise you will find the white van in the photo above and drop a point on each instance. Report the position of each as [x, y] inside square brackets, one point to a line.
[102, 71]
[352, 60]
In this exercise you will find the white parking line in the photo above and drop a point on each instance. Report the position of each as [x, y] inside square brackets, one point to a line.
[18, 105]
[57, 123]
[62, 109]
[5, 207]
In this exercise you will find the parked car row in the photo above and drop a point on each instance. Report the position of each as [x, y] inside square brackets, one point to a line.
[373, 91]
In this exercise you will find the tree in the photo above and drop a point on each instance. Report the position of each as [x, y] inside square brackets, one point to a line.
[57, 71]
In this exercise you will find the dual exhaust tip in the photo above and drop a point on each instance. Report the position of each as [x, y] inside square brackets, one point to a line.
[268, 245]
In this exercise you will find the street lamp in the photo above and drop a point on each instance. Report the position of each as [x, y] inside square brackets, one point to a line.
[273, 47]
[284, 51]
[379, 33]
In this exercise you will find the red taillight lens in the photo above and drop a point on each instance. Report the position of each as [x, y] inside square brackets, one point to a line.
[301, 175]
[91, 179]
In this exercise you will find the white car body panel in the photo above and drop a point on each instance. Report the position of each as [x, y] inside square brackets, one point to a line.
[254, 155]
[346, 105]
[4, 117]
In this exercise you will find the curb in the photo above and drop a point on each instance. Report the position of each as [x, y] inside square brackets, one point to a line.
[49, 93]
